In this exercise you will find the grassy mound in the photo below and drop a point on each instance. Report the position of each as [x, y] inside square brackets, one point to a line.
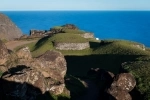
[121, 47]
[67, 38]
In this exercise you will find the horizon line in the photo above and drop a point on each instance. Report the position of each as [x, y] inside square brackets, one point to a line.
[78, 10]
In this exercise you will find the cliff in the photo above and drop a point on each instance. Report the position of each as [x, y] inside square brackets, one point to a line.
[8, 30]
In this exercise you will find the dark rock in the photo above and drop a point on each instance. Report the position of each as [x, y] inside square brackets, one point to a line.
[101, 75]
[122, 84]
[8, 30]
[117, 94]
[52, 64]
[21, 81]
[124, 81]
[26, 77]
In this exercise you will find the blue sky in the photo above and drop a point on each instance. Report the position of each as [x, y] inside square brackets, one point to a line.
[74, 4]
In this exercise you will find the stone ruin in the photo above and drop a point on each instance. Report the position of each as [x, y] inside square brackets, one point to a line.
[71, 46]
[42, 33]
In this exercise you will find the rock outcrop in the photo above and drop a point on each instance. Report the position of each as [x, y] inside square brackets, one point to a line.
[8, 30]
[115, 87]
[122, 84]
[30, 77]
[118, 94]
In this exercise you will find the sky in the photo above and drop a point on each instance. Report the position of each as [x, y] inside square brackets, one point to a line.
[74, 5]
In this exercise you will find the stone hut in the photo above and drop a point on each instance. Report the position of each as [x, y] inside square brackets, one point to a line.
[87, 35]
[71, 46]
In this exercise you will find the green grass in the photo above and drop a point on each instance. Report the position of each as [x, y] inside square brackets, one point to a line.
[1, 73]
[67, 38]
[57, 27]
[74, 31]
[119, 47]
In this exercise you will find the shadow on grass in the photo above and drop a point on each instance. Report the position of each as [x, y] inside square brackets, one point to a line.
[95, 45]
[80, 65]
[41, 42]
[75, 86]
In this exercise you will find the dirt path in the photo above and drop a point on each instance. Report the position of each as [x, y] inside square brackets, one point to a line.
[92, 92]
[13, 44]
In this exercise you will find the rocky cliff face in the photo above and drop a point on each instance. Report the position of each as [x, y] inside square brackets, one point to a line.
[8, 30]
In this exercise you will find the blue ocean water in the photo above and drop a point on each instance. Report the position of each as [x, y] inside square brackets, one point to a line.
[127, 25]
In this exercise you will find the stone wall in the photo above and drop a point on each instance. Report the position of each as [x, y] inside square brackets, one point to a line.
[140, 46]
[88, 35]
[71, 46]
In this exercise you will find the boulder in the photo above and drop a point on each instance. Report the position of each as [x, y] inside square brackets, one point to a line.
[23, 82]
[117, 94]
[8, 30]
[124, 81]
[121, 85]
[52, 64]
[30, 77]
[45, 72]
[24, 53]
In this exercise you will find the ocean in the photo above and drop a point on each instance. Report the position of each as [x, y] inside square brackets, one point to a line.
[126, 25]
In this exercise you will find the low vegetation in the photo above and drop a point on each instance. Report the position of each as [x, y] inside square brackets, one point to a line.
[67, 38]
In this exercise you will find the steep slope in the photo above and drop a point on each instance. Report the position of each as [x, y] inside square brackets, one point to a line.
[8, 30]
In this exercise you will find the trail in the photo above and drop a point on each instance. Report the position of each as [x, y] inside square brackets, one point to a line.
[11, 45]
